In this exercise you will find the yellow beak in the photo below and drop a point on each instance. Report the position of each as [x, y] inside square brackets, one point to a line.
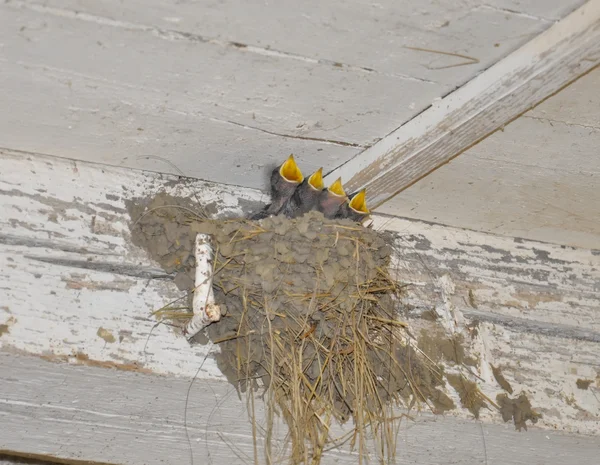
[316, 180]
[359, 202]
[337, 188]
[290, 171]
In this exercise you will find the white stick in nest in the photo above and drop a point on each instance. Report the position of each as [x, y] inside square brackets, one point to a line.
[205, 309]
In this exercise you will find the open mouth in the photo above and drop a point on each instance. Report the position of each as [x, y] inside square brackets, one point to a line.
[337, 188]
[290, 171]
[316, 180]
[359, 202]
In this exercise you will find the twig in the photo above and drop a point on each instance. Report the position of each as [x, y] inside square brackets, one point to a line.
[205, 309]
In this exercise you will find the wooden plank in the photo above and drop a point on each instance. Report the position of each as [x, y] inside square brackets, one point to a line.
[74, 242]
[547, 10]
[521, 296]
[575, 105]
[517, 182]
[71, 245]
[346, 34]
[210, 111]
[539, 282]
[119, 127]
[132, 419]
[222, 98]
[567, 50]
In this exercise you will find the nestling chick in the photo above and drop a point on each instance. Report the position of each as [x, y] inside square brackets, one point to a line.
[306, 196]
[355, 208]
[284, 181]
[331, 199]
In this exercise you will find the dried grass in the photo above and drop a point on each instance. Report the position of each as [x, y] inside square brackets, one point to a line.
[325, 349]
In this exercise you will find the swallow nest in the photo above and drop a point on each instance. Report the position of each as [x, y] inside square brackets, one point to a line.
[311, 320]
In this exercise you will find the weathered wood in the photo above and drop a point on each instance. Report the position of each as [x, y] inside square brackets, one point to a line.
[536, 305]
[567, 50]
[536, 179]
[546, 9]
[132, 419]
[64, 225]
[540, 282]
[75, 289]
[321, 33]
[221, 91]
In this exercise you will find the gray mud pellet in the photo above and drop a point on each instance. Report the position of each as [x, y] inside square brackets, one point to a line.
[311, 234]
[269, 286]
[321, 255]
[265, 237]
[385, 251]
[288, 258]
[294, 237]
[343, 249]
[151, 229]
[183, 281]
[327, 328]
[266, 270]
[346, 263]
[313, 370]
[371, 274]
[228, 228]
[329, 274]
[226, 249]
[172, 231]
[184, 256]
[161, 246]
[282, 248]
[281, 229]
[261, 250]
[338, 289]
[367, 261]
[303, 226]
[301, 257]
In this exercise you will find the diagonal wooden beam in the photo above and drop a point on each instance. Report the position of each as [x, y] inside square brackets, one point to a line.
[555, 58]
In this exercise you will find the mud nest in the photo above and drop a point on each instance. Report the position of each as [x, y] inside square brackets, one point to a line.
[312, 322]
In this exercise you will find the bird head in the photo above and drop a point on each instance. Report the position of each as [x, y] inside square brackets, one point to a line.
[358, 202]
[290, 171]
[337, 188]
[315, 181]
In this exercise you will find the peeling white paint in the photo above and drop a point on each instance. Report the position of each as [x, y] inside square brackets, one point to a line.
[459, 273]
[71, 303]
[450, 316]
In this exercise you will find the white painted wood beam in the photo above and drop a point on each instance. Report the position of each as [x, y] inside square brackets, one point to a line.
[74, 288]
[83, 414]
[564, 52]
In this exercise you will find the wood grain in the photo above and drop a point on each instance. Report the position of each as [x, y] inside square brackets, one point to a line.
[221, 92]
[133, 419]
[65, 225]
[536, 179]
[362, 37]
[73, 282]
[567, 50]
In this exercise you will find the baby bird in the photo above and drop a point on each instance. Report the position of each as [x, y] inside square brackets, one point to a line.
[355, 208]
[306, 196]
[284, 181]
[331, 199]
